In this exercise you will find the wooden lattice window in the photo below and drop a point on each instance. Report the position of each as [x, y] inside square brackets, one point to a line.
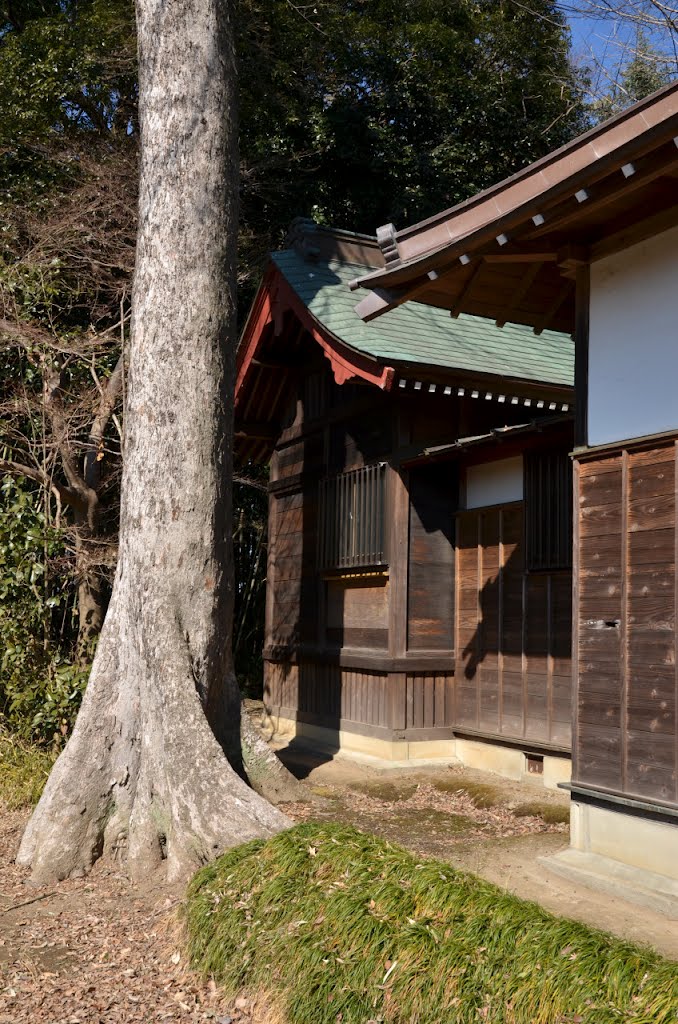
[351, 519]
[548, 510]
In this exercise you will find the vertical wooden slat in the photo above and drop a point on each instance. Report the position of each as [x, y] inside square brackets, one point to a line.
[675, 617]
[380, 491]
[369, 514]
[450, 691]
[439, 702]
[429, 686]
[345, 702]
[398, 517]
[397, 689]
[523, 646]
[363, 518]
[479, 619]
[344, 525]
[369, 702]
[623, 625]
[409, 703]
[576, 530]
[418, 713]
[549, 656]
[375, 512]
[500, 626]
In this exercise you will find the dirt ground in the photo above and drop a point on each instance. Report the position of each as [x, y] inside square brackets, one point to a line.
[100, 951]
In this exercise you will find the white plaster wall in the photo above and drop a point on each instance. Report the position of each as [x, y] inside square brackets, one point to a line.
[633, 341]
[494, 483]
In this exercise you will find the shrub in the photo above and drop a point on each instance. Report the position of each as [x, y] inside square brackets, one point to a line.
[23, 771]
[343, 926]
[40, 687]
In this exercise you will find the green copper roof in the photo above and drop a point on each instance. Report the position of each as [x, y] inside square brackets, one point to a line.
[417, 334]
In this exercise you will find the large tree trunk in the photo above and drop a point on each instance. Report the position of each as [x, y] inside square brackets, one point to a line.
[144, 775]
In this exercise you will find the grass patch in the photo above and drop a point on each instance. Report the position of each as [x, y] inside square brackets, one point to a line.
[343, 926]
[552, 814]
[23, 771]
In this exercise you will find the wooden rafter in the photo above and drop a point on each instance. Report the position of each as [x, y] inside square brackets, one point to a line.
[520, 292]
[456, 306]
[550, 313]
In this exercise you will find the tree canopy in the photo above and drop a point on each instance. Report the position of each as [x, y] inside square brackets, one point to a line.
[353, 111]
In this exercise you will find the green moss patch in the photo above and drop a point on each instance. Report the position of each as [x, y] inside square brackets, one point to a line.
[344, 927]
[483, 796]
[23, 771]
[424, 820]
[389, 792]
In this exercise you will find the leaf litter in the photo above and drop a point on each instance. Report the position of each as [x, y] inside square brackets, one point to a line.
[99, 950]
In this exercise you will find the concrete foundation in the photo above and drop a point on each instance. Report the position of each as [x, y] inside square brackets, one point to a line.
[512, 763]
[630, 856]
[509, 762]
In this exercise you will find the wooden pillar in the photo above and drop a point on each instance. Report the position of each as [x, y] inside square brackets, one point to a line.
[398, 520]
[581, 352]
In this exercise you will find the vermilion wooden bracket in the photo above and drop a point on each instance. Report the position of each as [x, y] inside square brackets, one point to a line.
[274, 298]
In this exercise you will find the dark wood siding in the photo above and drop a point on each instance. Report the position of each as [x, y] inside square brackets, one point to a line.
[430, 598]
[411, 705]
[626, 623]
[423, 638]
[548, 510]
[357, 612]
[514, 628]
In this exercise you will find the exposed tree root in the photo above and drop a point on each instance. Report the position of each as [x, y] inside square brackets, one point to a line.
[142, 779]
[267, 774]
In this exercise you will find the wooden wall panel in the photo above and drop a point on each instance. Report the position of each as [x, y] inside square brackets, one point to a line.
[429, 701]
[281, 684]
[626, 624]
[357, 612]
[514, 634]
[430, 596]
[292, 597]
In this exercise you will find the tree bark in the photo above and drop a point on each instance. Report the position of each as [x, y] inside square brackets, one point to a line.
[144, 775]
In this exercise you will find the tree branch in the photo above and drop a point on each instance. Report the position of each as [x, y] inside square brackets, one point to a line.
[64, 495]
[110, 392]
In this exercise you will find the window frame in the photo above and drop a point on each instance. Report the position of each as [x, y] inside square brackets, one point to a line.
[352, 519]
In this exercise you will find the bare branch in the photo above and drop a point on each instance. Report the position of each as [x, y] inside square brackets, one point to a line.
[64, 495]
[110, 392]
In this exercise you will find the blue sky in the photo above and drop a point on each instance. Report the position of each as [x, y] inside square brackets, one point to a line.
[600, 43]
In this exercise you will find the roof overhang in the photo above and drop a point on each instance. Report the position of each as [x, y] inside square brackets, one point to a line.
[268, 355]
[511, 252]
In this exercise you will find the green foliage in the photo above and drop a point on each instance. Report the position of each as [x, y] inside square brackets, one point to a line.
[342, 926]
[23, 771]
[40, 688]
[362, 112]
